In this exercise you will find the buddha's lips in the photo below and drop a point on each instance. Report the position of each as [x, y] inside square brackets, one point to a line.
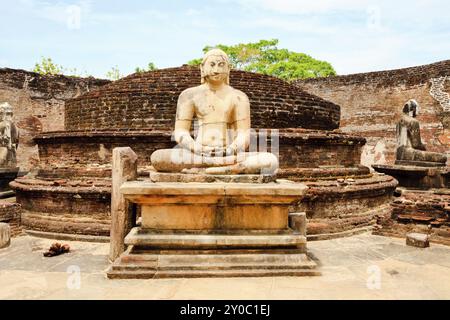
[216, 74]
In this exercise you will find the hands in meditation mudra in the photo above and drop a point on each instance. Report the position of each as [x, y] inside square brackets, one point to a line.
[223, 115]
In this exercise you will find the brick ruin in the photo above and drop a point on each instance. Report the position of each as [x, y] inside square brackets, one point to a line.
[38, 105]
[371, 105]
[70, 191]
[320, 143]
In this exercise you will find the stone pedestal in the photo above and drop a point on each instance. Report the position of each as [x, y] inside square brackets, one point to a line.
[7, 175]
[417, 177]
[213, 230]
[5, 235]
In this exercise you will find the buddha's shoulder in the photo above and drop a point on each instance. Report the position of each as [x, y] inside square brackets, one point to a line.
[240, 95]
[191, 92]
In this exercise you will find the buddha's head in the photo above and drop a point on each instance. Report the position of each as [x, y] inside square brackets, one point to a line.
[411, 108]
[6, 112]
[215, 67]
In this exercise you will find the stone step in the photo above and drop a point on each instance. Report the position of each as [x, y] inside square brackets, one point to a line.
[212, 273]
[212, 265]
[215, 241]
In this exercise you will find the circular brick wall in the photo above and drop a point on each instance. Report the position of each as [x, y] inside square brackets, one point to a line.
[149, 100]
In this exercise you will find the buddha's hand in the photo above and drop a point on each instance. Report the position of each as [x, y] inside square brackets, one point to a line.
[208, 151]
[213, 151]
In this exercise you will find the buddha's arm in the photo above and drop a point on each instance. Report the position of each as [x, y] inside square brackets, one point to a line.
[402, 135]
[183, 121]
[416, 139]
[242, 124]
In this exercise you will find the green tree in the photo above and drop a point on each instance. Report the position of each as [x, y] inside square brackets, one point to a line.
[150, 67]
[48, 67]
[114, 74]
[265, 57]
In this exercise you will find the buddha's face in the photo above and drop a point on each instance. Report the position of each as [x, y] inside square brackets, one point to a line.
[216, 69]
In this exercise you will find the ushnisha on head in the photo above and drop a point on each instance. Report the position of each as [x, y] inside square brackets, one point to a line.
[215, 66]
[411, 108]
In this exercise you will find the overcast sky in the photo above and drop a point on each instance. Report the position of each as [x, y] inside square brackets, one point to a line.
[95, 35]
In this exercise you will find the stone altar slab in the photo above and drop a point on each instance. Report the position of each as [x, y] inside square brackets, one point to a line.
[213, 206]
[214, 230]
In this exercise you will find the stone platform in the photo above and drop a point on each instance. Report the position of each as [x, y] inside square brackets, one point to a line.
[213, 230]
[6, 176]
[417, 177]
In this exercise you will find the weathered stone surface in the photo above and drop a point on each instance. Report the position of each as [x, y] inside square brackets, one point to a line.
[416, 177]
[410, 148]
[38, 105]
[193, 264]
[9, 211]
[335, 210]
[414, 211]
[5, 235]
[297, 222]
[300, 149]
[213, 240]
[213, 229]
[122, 220]
[305, 155]
[367, 101]
[417, 240]
[213, 206]
[208, 178]
[223, 140]
[151, 102]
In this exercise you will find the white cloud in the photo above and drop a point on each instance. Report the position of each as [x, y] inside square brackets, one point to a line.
[291, 25]
[305, 6]
[60, 12]
[193, 12]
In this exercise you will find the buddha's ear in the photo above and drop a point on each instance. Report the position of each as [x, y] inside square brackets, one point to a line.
[202, 73]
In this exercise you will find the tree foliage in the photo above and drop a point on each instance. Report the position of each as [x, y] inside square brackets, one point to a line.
[47, 67]
[150, 67]
[114, 74]
[264, 57]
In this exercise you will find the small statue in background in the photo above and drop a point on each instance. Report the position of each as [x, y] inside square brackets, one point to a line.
[9, 137]
[410, 149]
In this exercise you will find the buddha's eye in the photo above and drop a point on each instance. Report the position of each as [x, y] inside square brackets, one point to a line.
[212, 64]
[222, 64]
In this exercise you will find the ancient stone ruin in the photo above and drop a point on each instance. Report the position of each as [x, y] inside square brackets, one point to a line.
[9, 142]
[318, 145]
[424, 197]
[70, 193]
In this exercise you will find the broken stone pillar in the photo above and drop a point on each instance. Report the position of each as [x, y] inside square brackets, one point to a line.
[124, 168]
[5, 235]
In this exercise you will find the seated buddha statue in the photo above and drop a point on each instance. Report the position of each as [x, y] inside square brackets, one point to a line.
[410, 147]
[223, 135]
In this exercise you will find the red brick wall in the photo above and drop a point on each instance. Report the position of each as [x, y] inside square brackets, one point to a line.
[371, 104]
[38, 105]
[149, 100]
[297, 148]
